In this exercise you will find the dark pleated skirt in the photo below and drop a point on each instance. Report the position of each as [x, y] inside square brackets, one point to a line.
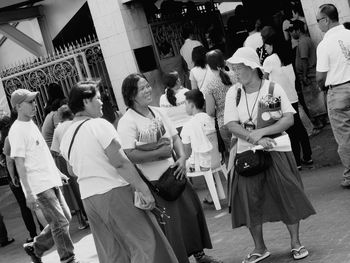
[186, 229]
[274, 195]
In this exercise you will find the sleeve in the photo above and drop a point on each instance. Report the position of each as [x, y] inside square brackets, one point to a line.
[191, 75]
[286, 106]
[162, 101]
[303, 47]
[55, 146]
[270, 63]
[231, 112]
[322, 62]
[103, 131]
[127, 131]
[168, 125]
[7, 148]
[17, 143]
[185, 133]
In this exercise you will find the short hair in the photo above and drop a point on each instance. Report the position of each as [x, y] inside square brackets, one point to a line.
[82, 90]
[65, 113]
[196, 97]
[187, 31]
[330, 11]
[198, 56]
[267, 31]
[130, 88]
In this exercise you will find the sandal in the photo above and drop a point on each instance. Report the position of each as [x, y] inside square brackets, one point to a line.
[299, 253]
[258, 255]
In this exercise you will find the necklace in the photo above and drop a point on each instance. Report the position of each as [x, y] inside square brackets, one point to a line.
[250, 114]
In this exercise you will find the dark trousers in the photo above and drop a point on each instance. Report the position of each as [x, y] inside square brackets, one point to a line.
[25, 211]
[299, 138]
[3, 231]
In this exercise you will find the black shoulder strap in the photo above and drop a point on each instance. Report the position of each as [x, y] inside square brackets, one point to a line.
[271, 88]
[238, 96]
[75, 133]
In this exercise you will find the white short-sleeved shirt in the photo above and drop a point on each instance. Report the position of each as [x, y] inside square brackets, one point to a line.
[201, 75]
[283, 75]
[27, 142]
[177, 114]
[333, 55]
[195, 132]
[135, 129]
[254, 41]
[240, 113]
[186, 51]
[96, 175]
[60, 130]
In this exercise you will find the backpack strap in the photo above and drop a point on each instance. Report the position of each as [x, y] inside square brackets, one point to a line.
[271, 88]
[238, 96]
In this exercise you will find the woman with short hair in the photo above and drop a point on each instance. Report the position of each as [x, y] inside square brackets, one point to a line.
[91, 145]
[200, 74]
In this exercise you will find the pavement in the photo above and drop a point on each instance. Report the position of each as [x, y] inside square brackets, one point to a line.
[326, 234]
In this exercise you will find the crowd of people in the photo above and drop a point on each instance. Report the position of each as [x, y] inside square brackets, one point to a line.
[115, 167]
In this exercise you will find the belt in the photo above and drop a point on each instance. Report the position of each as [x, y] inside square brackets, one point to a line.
[336, 85]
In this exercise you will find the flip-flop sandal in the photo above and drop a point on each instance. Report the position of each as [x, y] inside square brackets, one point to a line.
[258, 255]
[299, 253]
[206, 201]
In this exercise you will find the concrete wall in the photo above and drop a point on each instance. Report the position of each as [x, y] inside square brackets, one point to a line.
[311, 8]
[57, 12]
[11, 53]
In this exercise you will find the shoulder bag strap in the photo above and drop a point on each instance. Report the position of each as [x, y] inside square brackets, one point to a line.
[75, 133]
[143, 177]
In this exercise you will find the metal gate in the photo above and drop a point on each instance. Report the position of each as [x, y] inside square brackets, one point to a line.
[68, 65]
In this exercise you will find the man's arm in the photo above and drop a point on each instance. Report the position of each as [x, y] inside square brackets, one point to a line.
[10, 163]
[31, 199]
[321, 79]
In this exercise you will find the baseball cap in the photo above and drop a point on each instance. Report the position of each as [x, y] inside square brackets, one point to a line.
[21, 95]
[247, 56]
[295, 25]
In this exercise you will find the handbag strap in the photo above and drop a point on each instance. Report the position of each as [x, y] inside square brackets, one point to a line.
[75, 133]
[143, 177]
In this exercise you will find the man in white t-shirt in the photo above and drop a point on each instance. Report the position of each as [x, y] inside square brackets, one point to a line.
[333, 73]
[40, 179]
[188, 46]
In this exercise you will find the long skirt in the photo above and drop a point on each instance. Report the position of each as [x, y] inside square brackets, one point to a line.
[277, 194]
[186, 229]
[124, 233]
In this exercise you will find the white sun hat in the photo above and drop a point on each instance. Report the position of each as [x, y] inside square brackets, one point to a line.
[247, 56]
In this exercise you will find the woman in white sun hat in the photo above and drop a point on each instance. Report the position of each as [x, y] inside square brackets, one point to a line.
[274, 193]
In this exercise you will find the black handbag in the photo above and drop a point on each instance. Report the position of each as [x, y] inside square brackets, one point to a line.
[167, 187]
[250, 162]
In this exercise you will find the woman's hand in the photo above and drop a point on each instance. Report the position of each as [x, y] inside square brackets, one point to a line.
[255, 135]
[180, 165]
[165, 150]
[267, 143]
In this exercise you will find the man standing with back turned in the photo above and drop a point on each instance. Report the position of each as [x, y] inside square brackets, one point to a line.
[40, 179]
[333, 73]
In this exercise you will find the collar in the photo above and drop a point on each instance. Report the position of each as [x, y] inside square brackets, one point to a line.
[333, 30]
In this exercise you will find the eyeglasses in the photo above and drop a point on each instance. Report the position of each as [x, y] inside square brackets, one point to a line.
[320, 19]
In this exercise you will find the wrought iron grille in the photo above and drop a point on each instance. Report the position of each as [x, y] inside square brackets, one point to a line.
[68, 65]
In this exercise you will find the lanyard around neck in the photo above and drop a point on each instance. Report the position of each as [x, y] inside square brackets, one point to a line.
[250, 114]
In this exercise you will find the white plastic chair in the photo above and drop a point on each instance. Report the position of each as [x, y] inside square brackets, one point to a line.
[212, 175]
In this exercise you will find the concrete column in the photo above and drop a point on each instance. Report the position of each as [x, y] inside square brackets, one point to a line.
[120, 29]
[4, 107]
[310, 8]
